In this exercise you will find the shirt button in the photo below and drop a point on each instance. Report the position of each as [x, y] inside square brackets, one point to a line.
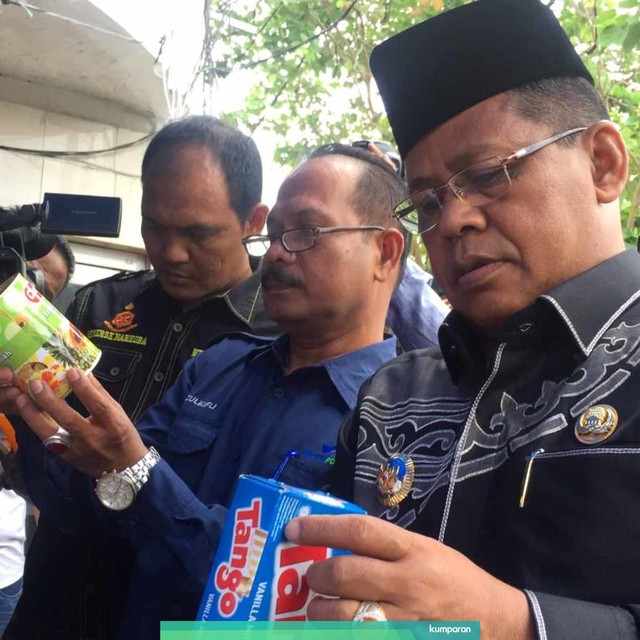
[114, 371]
[158, 376]
[279, 393]
[177, 327]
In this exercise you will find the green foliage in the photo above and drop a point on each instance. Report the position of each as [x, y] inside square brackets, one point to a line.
[314, 83]
[323, 90]
[607, 34]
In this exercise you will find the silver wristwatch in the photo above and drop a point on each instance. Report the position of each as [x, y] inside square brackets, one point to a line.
[116, 490]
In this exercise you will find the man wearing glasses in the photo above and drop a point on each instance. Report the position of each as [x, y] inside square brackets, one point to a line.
[333, 255]
[503, 468]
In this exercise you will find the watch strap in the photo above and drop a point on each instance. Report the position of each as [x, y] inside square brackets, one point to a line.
[139, 472]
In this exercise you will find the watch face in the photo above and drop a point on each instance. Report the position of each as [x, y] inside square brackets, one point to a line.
[115, 491]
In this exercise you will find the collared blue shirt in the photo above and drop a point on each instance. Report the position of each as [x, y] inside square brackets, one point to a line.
[235, 411]
[232, 411]
[416, 310]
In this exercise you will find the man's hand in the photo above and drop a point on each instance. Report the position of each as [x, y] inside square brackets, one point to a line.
[413, 577]
[8, 392]
[104, 441]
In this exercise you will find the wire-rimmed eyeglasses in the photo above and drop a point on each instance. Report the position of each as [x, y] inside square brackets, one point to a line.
[476, 185]
[297, 240]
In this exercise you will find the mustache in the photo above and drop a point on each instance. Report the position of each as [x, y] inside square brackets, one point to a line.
[276, 275]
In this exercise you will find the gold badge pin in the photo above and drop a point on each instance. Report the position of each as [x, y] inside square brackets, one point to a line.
[395, 479]
[596, 424]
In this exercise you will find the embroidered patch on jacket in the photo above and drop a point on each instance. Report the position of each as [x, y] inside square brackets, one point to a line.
[123, 321]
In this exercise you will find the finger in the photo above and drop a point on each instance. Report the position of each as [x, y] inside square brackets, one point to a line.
[362, 535]
[345, 609]
[91, 393]
[6, 376]
[380, 154]
[60, 412]
[8, 397]
[93, 380]
[42, 424]
[374, 150]
[355, 577]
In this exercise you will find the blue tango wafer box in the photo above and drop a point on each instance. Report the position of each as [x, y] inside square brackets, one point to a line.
[256, 573]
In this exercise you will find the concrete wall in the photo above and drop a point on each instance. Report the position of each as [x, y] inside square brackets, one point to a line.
[25, 178]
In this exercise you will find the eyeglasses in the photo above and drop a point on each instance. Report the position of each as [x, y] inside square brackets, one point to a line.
[476, 185]
[297, 240]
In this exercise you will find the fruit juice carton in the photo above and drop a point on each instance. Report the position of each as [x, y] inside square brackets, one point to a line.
[36, 341]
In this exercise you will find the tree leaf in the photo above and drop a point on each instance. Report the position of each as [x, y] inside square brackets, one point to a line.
[632, 38]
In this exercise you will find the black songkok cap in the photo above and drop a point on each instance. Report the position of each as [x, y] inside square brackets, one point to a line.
[432, 72]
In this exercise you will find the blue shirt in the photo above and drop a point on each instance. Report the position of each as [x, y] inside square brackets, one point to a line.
[232, 411]
[416, 310]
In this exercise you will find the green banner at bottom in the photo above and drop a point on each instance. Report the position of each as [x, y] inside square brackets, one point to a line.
[451, 630]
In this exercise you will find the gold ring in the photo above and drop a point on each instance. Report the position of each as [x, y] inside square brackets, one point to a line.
[369, 611]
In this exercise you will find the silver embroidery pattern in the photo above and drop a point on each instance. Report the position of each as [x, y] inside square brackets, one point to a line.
[519, 424]
[432, 427]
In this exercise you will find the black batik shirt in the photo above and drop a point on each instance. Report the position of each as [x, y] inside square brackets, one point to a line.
[470, 424]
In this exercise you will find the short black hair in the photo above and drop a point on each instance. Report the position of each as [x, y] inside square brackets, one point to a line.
[64, 248]
[377, 192]
[235, 153]
[561, 103]
[379, 188]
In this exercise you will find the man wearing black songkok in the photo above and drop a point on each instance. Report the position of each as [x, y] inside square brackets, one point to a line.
[503, 468]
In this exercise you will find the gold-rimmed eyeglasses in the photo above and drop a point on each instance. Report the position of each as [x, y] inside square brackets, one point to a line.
[297, 240]
[476, 185]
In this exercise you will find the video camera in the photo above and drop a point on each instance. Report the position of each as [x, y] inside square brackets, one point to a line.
[28, 232]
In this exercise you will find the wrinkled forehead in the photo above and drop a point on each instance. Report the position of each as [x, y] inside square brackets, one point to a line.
[179, 158]
[319, 191]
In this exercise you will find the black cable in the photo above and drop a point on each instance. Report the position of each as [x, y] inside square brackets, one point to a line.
[72, 154]
[29, 8]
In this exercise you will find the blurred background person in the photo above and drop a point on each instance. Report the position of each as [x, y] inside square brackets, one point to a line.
[57, 268]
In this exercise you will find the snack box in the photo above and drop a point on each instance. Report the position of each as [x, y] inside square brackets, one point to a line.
[256, 573]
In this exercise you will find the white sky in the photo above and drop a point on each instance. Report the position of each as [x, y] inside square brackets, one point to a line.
[181, 23]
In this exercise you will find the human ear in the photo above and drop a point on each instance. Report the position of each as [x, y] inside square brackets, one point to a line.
[391, 245]
[254, 224]
[609, 160]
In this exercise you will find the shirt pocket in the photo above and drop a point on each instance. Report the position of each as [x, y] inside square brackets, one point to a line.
[190, 441]
[579, 523]
[304, 470]
[115, 370]
[195, 429]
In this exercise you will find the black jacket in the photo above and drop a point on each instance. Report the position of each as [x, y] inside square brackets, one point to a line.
[471, 422]
[146, 338]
